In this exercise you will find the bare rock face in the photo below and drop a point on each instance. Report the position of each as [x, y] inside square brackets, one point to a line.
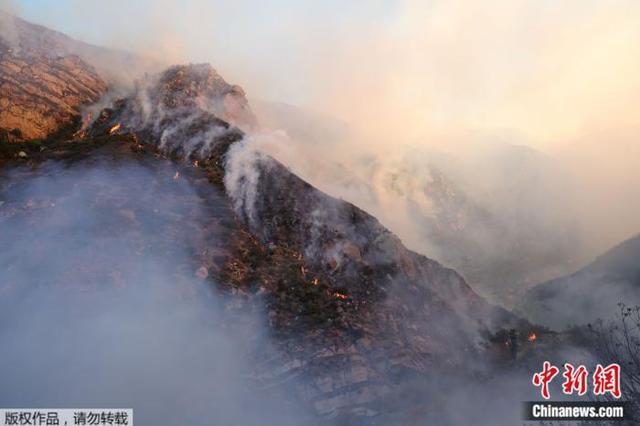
[41, 95]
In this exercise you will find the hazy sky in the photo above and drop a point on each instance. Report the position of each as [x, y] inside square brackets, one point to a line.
[548, 70]
[268, 41]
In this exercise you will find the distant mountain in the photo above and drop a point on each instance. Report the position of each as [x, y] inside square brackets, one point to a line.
[503, 218]
[591, 293]
[114, 66]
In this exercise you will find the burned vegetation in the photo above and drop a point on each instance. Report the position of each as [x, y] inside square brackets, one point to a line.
[354, 319]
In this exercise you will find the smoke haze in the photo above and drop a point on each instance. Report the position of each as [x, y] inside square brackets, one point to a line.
[100, 306]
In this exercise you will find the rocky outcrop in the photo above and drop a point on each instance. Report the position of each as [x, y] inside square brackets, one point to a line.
[192, 88]
[41, 95]
[183, 111]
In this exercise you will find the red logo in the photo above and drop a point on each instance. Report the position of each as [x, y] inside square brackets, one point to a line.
[575, 379]
[545, 377]
[605, 379]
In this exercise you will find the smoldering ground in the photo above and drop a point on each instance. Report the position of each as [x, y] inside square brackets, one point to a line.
[484, 390]
[100, 305]
[503, 218]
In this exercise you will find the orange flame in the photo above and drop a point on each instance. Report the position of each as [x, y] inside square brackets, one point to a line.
[85, 123]
[532, 337]
[339, 295]
[315, 281]
[114, 129]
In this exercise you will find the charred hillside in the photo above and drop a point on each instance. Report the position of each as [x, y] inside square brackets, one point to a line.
[355, 320]
[355, 313]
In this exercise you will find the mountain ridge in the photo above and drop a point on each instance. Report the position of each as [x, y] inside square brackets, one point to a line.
[590, 293]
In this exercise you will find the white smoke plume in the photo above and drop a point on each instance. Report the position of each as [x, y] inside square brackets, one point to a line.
[242, 174]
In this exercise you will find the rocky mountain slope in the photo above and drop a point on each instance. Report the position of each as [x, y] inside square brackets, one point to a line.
[355, 312]
[117, 67]
[592, 292]
[40, 95]
[356, 318]
[451, 206]
[47, 77]
[358, 325]
[457, 227]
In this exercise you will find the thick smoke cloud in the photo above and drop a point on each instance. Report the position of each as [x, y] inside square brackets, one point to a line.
[100, 305]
